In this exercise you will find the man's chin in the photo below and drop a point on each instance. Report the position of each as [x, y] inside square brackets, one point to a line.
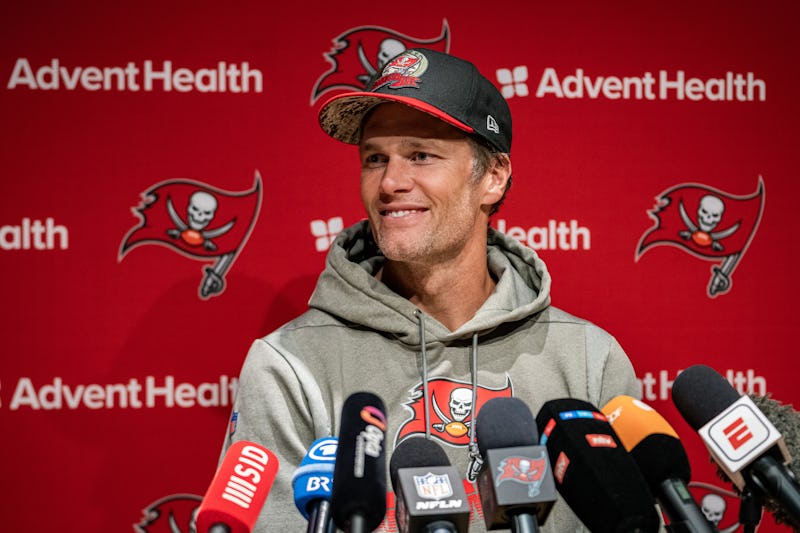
[401, 251]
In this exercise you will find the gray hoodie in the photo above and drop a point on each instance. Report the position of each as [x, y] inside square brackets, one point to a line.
[358, 335]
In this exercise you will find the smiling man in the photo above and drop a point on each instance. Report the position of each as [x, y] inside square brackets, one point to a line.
[428, 212]
[423, 303]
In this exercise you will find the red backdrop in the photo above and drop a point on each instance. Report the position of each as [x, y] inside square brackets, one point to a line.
[119, 367]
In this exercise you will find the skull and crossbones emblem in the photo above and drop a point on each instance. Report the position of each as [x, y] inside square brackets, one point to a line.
[709, 215]
[713, 507]
[199, 214]
[460, 405]
[388, 49]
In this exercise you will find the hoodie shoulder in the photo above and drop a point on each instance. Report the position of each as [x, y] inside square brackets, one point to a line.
[609, 371]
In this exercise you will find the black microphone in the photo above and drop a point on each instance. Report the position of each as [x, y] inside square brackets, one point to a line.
[312, 483]
[662, 460]
[743, 442]
[516, 486]
[787, 422]
[430, 494]
[358, 498]
[594, 474]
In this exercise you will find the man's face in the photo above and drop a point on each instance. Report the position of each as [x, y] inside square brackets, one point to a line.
[417, 187]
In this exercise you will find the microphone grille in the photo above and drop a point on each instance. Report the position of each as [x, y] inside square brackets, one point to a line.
[700, 393]
[416, 452]
[787, 421]
[505, 423]
[359, 476]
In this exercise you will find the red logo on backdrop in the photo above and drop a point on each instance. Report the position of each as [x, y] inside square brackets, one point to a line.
[175, 513]
[360, 53]
[707, 223]
[720, 506]
[198, 221]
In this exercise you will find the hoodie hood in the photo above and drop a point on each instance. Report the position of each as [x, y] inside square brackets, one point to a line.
[348, 289]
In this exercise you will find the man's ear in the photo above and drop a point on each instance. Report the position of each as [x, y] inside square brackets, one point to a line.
[496, 179]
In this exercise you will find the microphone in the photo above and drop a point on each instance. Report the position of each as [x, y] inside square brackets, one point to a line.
[594, 474]
[239, 489]
[662, 460]
[358, 497]
[430, 494]
[743, 442]
[312, 483]
[516, 486]
[787, 422]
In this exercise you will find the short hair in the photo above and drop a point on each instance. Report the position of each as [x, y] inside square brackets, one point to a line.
[483, 155]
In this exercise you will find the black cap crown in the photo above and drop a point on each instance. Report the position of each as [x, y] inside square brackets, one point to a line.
[445, 86]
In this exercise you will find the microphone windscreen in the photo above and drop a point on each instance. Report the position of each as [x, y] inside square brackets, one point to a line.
[700, 393]
[787, 421]
[505, 423]
[416, 452]
[649, 438]
[313, 479]
[594, 473]
[239, 489]
[359, 475]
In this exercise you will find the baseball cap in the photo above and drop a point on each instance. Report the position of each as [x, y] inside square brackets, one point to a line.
[443, 85]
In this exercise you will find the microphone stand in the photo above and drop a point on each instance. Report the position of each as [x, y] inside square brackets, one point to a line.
[440, 526]
[778, 483]
[358, 524]
[750, 508]
[524, 523]
[319, 518]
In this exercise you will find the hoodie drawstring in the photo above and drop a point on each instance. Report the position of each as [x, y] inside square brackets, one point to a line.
[476, 461]
[425, 396]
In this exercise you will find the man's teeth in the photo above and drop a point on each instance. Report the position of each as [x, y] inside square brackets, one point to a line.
[403, 213]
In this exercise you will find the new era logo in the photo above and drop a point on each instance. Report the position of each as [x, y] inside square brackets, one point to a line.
[491, 124]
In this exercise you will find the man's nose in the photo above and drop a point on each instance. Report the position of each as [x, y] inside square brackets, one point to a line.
[397, 177]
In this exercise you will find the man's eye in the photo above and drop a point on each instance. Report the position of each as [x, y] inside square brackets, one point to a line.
[373, 159]
[422, 156]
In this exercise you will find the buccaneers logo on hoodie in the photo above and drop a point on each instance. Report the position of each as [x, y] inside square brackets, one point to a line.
[452, 409]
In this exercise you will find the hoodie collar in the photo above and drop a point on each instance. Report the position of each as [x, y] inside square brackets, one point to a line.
[347, 288]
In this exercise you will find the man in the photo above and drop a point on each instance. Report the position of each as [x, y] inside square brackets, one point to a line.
[424, 290]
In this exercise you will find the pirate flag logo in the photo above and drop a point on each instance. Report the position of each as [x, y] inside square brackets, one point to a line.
[719, 506]
[175, 513]
[452, 413]
[198, 221]
[707, 223]
[359, 53]
[526, 470]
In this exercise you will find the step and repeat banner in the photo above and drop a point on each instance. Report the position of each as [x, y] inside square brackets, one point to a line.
[166, 197]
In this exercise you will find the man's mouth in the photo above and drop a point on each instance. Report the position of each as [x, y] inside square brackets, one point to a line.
[400, 213]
